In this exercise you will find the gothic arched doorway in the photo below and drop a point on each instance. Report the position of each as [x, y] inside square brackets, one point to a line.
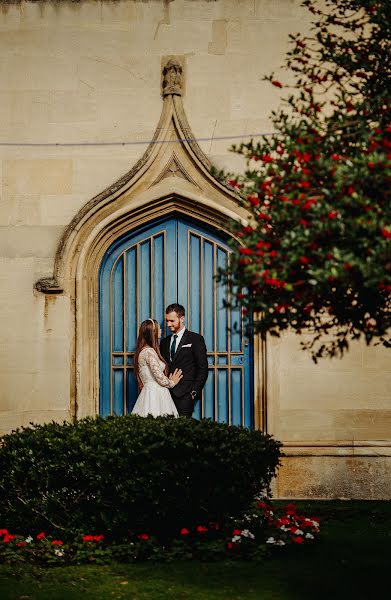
[173, 259]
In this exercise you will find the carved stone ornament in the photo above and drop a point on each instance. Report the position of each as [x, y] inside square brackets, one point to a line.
[172, 77]
[48, 285]
[174, 169]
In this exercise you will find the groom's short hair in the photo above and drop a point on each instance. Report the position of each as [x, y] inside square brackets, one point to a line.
[178, 308]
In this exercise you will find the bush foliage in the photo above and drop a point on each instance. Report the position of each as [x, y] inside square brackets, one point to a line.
[131, 473]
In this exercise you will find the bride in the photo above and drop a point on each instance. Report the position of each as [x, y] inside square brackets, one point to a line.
[150, 370]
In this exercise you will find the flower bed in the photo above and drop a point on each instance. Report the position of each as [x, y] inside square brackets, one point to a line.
[263, 529]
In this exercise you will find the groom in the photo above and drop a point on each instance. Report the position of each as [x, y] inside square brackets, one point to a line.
[187, 351]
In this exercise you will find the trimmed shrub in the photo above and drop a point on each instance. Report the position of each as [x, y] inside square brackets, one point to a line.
[118, 474]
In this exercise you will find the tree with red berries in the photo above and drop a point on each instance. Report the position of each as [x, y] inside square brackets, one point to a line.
[314, 256]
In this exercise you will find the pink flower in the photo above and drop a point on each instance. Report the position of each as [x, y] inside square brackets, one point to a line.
[184, 531]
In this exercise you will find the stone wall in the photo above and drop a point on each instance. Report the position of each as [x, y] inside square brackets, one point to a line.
[75, 74]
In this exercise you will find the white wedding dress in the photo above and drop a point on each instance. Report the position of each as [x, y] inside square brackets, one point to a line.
[154, 398]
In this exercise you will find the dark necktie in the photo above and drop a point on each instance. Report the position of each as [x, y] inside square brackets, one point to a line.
[173, 347]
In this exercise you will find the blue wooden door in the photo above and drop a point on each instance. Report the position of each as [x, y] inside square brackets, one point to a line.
[172, 260]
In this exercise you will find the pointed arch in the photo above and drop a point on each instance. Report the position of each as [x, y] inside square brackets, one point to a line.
[172, 177]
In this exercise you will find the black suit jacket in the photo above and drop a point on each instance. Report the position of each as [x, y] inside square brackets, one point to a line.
[191, 357]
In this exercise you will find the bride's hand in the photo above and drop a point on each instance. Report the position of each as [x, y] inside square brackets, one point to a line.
[176, 376]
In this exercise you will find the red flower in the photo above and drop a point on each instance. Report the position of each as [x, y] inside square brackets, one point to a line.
[347, 266]
[57, 543]
[298, 539]
[230, 545]
[254, 201]
[262, 244]
[290, 508]
[98, 538]
[240, 296]
[264, 217]
[371, 165]
[237, 532]
[305, 157]
[184, 531]
[248, 229]
[351, 190]
[333, 214]
[304, 260]
[233, 183]
[3, 532]
[284, 198]
[41, 536]
[247, 251]
[335, 157]
[267, 158]
[254, 157]
[244, 261]
[8, 537]
[309, 203]
[21, 544]
[304, 223]
[386, 234]
[201, 529]
[277, 83]
[88, 538]
[143, 536]
[304, 184]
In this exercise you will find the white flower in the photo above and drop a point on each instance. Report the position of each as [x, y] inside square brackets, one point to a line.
[280, 543]
[236, 538]
[284, 528]
[58, 552]
[271, 540]
[29, 539]
[298, 532]
[246, 533]
[309, 536]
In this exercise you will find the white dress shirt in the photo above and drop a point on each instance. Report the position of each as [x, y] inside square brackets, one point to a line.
[180, 336]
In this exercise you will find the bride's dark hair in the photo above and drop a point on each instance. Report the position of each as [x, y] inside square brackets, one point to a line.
[148, 335]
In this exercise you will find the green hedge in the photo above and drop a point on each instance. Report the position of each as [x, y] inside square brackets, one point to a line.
[131, 473]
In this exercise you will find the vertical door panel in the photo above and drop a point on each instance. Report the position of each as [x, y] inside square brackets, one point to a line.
[172, 261]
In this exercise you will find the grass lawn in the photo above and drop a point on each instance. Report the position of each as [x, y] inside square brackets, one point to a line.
[350, 561]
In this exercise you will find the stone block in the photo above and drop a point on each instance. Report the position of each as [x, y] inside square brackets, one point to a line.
[38, 242]
[366, 478]
[27, 177]
[31, 72]
[364, 424]
[300, 424]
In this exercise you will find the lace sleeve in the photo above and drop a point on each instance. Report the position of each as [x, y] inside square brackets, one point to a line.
[153, 363]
